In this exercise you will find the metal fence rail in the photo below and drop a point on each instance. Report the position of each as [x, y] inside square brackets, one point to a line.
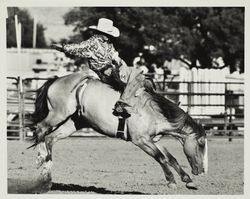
[226, 122]
[20, 104]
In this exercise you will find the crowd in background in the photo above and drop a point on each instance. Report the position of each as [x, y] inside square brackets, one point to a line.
[157, 72]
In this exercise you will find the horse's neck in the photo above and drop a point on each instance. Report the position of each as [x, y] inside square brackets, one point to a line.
[189, 128]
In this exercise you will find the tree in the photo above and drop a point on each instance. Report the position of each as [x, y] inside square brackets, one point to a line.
[27, 30]
[212, 32]
[198, 34]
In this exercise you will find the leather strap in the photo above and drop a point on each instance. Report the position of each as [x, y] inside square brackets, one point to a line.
[122, 129]
[79, 91]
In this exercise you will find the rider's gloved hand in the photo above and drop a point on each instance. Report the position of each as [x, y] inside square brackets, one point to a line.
[58, 47]
[116, 60]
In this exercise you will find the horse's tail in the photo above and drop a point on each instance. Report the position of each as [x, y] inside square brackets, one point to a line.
[41, 106]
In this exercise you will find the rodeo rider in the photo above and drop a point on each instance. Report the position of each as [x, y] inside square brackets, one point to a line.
[104, 60]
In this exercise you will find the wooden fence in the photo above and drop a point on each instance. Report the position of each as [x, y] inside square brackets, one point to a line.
[20, 104]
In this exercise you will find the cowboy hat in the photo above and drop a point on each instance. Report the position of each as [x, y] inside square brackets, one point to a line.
[106, 26]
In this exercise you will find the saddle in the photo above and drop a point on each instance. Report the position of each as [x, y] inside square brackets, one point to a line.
[80, 87]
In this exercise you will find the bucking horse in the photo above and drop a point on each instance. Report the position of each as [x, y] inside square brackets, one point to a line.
[69, 103]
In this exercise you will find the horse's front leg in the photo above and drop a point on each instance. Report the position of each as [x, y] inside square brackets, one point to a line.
[147, 145]
[173, 162]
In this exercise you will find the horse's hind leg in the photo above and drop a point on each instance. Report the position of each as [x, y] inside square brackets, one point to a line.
[44, 128]
[45, 148]
[147, 145]
[44, 158]
[173, 162]
[41, 130]
[46, 165]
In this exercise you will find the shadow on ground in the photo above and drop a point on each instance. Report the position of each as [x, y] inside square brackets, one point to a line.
[20, 186]
[98, 190]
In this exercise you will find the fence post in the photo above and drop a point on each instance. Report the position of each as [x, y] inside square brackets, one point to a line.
[225, 110]
[189, 97]
[23, 108]
[164, 81]
[230, 117]
[20, 107]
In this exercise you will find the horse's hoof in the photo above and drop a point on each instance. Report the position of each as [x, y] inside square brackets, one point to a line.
[202, 174]
[191, 185]
[43, 185]
[172, 185]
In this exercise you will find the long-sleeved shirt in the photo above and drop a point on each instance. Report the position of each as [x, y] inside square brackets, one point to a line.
[99, 51]
[101, 54]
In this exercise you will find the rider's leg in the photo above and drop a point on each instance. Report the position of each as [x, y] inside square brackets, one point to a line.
[127, 99]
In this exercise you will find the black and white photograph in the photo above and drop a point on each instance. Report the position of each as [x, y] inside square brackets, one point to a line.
[124, 99]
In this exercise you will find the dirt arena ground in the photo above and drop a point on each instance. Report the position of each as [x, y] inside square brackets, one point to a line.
[112, 166]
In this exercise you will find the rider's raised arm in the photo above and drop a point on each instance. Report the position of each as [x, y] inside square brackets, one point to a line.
[83, 49]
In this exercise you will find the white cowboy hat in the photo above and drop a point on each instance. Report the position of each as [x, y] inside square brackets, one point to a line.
[106, 26]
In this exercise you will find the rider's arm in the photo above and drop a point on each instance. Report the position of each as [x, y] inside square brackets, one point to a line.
[117, 61]
[83, 49]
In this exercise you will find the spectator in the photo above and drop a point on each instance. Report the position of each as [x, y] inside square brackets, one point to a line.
[166, 68]
[159, 73]
[151, 70]
[142, 66]
[137, 60]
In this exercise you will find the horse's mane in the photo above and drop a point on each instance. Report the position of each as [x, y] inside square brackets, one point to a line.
[175, 115]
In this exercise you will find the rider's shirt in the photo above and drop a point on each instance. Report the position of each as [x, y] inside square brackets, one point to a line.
[101, 54]
[105, 61]
[97, 49]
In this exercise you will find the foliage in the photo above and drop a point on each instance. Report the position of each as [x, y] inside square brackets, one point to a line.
[27, 30]
[212, 33]
[194, 33]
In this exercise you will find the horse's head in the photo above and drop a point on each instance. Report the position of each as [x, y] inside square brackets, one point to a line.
[195, 148]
